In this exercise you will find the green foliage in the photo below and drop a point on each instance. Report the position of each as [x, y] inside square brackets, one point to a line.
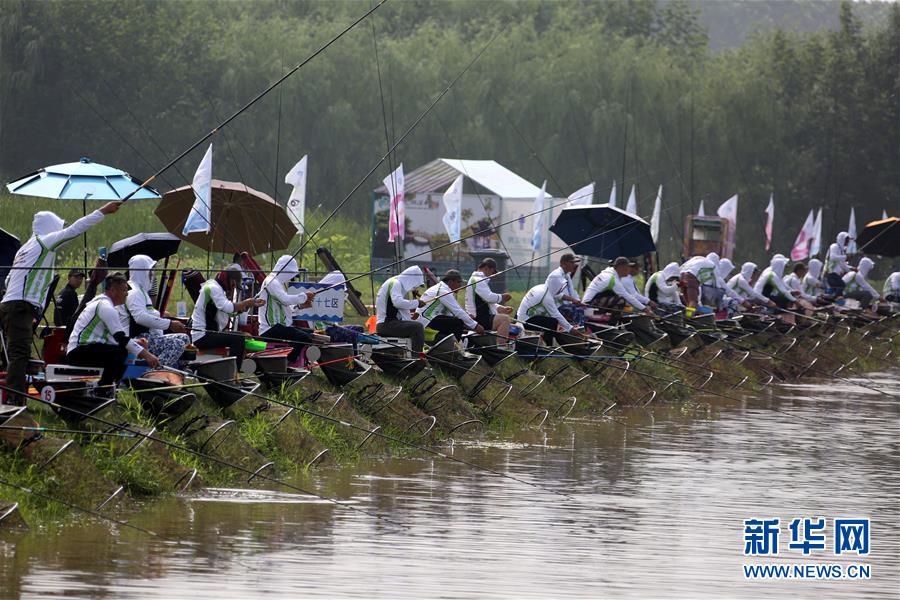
[603, 90]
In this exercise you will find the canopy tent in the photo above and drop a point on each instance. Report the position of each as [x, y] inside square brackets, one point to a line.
[493, 194]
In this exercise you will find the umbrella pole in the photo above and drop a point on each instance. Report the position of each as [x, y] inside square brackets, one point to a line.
[84, 235]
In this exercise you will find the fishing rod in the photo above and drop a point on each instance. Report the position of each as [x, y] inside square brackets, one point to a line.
[256, 98]
[89, 511]
[734, 344]
[68, 431]
[397, 143]
[203, 455]
[380, 434]
[678, 381]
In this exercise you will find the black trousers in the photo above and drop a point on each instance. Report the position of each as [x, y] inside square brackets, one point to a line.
[295, 336]
[446, 325]
[547, 326]
[18, 328]
[224, 339]
[835, 282]
[110, 357]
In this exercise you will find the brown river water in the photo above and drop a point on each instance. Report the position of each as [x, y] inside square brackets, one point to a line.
[657, 509]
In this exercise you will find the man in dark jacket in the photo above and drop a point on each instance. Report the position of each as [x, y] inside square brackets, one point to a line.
[67, 300]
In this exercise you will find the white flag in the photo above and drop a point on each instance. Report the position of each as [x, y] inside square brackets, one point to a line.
[538, 218]
[884, 215]
[631, 207]
[816, 244]
[396, 187]
[800, 251]
[728, 211]
[851, 229]
[612, 194]
[200, 217]
[770, 220]
[654, 220]
[583, 196]
[701, 212]
[452, 203]
[296, 206]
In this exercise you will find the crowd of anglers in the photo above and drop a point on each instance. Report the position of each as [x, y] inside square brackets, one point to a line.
[122, 321]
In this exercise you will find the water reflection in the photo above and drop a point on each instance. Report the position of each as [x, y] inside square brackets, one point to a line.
[658, 500]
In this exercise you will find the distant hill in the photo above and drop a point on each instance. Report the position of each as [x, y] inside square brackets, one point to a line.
[730, 22]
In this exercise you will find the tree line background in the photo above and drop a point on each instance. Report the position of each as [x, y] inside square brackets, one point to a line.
[684, 94]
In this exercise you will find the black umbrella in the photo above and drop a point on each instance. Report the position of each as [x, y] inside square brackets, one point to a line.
[9, 245]
[880, 237]
[603, 231]
[155, 245]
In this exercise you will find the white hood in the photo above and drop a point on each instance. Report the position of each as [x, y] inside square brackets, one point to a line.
[725, 268]
[714, 258]
[45, 222]
[778, 265]
[672, 270]
[333, 278]
[285, 269]
[865, 265]
[139, 267]
[747, 270]
[842, 239]
[815, 268]
[411, 278]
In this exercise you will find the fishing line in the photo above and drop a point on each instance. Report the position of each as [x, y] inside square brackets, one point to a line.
[256, 98]
[86, 510]
[385, 436]
[203, 455]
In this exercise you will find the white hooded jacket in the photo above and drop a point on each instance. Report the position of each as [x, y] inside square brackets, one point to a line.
[723, 270]
[892, 284]
[811, 284]
[740, 283]
[855, 281]
[393, 292]
[32, 269]
[772, 275]
[138, 304]
[836, 257]
[666, 293]
[609, 280]
[440, 300]
[280, 300]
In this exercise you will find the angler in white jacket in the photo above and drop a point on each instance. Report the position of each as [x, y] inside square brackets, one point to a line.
[811, 284]
[28, 283]
[794, 281]
[99, 339]
[276, 322]
[892, 287]
[559, 282]
[538, 311]
[606, 289]
[213, 310]
[393, 309]
[485, 304]
[836, 262]
[771, 285]
[662, 288]
[442, 312]
[856, 285]
[696, 272]
[145, 321]
[741, 284]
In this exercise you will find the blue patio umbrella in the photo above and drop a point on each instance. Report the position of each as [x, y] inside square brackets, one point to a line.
[603, 231]
[83, 180]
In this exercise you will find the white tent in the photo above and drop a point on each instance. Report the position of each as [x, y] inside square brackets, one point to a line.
[506, 196]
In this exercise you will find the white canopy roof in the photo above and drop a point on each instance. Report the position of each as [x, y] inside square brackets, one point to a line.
[440, 173]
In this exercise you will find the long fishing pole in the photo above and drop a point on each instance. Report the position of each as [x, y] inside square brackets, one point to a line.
[209, 457]
[385, 436]
[398, 142]
[67, 431]
[89, 511]
[256, 98]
